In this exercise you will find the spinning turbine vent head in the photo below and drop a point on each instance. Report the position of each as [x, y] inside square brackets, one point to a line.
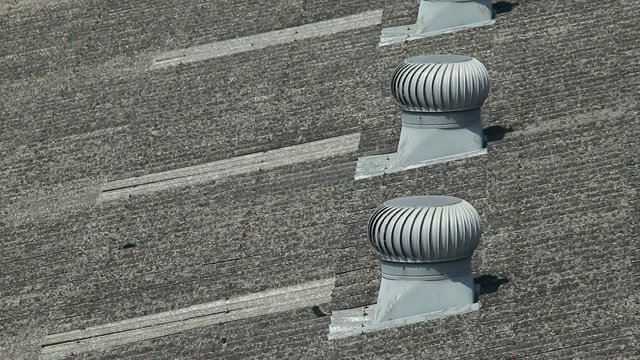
[425, 229]
[440, 83]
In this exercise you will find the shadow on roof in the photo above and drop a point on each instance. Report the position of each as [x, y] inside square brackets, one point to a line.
[489, 283]
[496, 132]
[501, 7]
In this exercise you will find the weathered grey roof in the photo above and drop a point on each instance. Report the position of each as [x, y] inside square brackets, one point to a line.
[557, 190]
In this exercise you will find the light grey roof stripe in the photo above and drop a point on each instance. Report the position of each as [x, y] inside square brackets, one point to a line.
[203, 173]
[260, 41]
[56, 346]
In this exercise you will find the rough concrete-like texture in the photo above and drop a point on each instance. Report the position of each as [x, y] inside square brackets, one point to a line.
[557, 192]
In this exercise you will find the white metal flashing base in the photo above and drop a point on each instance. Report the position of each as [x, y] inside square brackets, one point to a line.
[378, 165]
[437, 17]
[400, 34]
[351, 322]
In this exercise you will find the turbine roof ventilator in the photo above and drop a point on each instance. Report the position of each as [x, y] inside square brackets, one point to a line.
[425, 244]
[440, 97]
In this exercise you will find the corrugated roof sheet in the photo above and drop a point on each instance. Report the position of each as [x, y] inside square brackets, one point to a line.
[557, 194]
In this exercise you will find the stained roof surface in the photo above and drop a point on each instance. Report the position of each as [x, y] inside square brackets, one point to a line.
[559, 259]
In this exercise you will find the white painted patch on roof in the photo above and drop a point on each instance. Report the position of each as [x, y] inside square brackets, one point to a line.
[61, 345]
[198, 174]
[261, 41]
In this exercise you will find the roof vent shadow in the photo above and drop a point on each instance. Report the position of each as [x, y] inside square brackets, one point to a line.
[496, 132]
[489, 284]
[502, 7]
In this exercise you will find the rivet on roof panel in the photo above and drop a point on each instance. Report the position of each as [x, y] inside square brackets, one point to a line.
[437, 17]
